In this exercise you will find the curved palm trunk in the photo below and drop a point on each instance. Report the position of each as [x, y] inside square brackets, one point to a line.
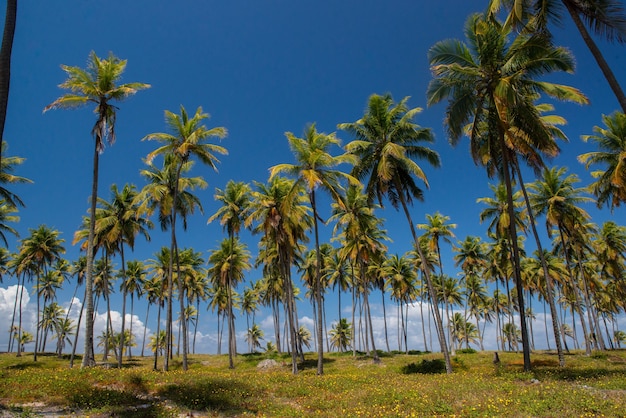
[80, 317]
[132, 308]
[145, 328]
[431, 289]
[11, 332]
[181, 300]
[597, 55]
[5, 63]
[318, 289]
[516, 258]
[88, 354]
[231, 323]
[544, 266]
[575, 290]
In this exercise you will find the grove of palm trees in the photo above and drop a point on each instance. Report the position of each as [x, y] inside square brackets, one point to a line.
[481, 209]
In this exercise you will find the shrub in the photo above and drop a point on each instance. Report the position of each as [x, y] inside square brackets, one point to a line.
[434, 366]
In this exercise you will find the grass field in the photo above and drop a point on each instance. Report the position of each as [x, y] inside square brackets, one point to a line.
[399, 386]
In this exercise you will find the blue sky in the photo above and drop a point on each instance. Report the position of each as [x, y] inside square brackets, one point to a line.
[259, 69]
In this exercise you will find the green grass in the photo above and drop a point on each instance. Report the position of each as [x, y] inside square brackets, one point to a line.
[399, 386]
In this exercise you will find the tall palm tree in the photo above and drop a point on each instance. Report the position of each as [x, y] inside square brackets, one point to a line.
[227, 266]
[158, 195]
[606, 18]
[437, 227]
[610, 186]
[235, 199]
[119, 222]
[387, 142]
[187, 140]
[133, 277]
[491, 84]
[556, 197]
[284, 218]
[97, 84]
[10, 19]
[42, 248]
[314, 170]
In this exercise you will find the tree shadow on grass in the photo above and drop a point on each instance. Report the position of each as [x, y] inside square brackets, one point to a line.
[215, 395]
[312, 363]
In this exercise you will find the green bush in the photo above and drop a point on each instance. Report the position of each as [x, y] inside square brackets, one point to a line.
[434, 366]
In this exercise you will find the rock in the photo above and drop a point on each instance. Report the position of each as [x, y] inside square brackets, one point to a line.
[267, 364]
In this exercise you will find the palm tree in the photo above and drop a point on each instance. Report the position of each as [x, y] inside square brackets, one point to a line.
[7, 167]
[236, 200]
[132, 281]
[188, 139]
[227, 267]
[491, 86]
[254, 336]
[283, 218]
[6, 216]
[387, 142]
[556, 197]
[606, 18]
[610, 186]
[42, 248]
[341, 335]
[313, 170]
[10, 18]
[119, 222]
[437, 227]
[158, 195]
[97, 84]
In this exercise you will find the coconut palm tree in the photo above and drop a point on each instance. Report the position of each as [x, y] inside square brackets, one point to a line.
[132, 281]
[169, 192]
[341, 335]
[437, 227]
[491, 84]
[187, 140]
[254, 337]
[610, 186]
[119, 222]
[7, 168]
[387, 143]
[227, 266]
[556, 197]
[10, 19]
[280, 213]
[315, 170]
[97, 84]
[606, 18]
[42, 248]
[235, 199]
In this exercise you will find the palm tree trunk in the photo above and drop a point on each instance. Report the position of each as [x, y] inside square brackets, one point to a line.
[157, 337]
[88, 355]
[546, 274]
[121, 346]
[80, 317]
[431, 289]
[382, 291]
[597, 55]
[516, 257]
[5, 63]
[568, 266]
[37, 324]
[318, 288]
[145, 328]
[11, 338]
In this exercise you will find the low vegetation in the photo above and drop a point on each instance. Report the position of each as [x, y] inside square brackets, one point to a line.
[398, 385]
